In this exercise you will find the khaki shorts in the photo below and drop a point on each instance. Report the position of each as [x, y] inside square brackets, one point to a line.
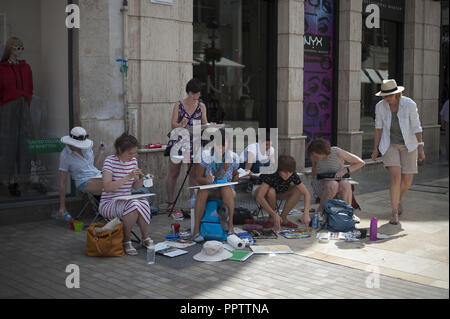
[398, 155]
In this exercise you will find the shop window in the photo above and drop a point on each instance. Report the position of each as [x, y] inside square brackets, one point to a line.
[379, 61]
[231, 60]
[45, 42]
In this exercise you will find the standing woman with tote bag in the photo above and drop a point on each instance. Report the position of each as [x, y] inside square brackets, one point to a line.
[16, 127]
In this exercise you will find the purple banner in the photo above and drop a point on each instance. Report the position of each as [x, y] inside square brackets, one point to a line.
[318, 69]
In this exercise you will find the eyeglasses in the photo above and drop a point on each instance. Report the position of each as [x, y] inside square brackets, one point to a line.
[19, 48]
[79, 138]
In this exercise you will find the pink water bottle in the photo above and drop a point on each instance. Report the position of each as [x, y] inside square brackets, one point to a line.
[373, 229]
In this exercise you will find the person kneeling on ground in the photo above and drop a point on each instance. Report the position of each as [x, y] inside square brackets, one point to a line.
[77, 159]
[216, 167]
[271, 187]
[330, 160]
[121, 174]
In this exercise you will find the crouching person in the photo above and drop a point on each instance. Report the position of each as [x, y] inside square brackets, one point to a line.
[283, 184]
[216, 167]
[120, 175]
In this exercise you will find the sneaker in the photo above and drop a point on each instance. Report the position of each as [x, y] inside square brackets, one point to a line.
[177, 215]
[198, 238]
[356, 219]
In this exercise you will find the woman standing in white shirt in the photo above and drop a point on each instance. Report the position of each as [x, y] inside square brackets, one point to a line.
[398, 136]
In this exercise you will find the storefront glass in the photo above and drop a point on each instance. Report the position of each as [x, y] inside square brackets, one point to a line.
[42, 30]
[231, 60]
[381, 56]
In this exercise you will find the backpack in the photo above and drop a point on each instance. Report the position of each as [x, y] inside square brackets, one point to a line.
[339, 216]
[240, 215]
[210, 227]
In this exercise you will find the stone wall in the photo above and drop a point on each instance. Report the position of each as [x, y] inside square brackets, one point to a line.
[421, 67]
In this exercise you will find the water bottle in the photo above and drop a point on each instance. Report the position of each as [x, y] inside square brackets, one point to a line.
[151, 253]
[192, 201]
[373, 229]
[315, 220]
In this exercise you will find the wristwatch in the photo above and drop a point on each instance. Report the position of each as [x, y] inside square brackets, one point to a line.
[421, 143]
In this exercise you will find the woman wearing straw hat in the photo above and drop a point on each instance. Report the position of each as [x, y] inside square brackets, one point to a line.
[16, 127]
[398, 136]
[77, 159]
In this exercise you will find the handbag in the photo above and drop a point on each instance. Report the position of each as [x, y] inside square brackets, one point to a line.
[107, 243]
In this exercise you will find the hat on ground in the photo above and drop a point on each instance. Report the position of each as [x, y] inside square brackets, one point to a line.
[213, 251]
[78, 138]
[389, 87]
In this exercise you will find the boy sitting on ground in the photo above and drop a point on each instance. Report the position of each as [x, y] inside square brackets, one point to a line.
[271, 187]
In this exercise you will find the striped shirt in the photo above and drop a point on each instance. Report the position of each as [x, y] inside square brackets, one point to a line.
[110, 208]
[119, 170]
[330, 164]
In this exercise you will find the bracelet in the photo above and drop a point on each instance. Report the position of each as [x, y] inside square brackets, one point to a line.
[421, 143]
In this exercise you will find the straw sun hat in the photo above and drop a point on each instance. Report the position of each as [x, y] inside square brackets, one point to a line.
[389, 87]
[213, 251]
[78, 138]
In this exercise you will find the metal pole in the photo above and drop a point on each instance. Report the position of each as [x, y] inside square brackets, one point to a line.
[124, 11]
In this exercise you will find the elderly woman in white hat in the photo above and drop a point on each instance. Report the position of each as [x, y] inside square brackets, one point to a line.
[77, 159]
[398, 136]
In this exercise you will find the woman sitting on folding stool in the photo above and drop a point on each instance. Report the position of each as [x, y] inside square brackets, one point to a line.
[77, 159]
[330, 161]
[215, 168]
[120, 175]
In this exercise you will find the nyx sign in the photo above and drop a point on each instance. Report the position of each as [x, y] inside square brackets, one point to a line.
[316, 44]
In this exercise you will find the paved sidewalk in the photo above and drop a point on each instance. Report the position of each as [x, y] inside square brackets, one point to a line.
[34, 258]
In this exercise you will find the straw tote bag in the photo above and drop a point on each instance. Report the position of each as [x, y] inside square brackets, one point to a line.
[107, 243]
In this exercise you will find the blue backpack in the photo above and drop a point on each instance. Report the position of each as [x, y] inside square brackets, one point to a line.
[339, 216]
[210, 227]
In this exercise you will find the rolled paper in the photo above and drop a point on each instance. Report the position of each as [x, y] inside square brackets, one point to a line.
[235, 242]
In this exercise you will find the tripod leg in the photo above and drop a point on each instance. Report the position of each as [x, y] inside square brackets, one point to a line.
[181, 188]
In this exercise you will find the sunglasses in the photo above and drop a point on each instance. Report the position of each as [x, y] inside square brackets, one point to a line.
[19, 48]
[79, 138]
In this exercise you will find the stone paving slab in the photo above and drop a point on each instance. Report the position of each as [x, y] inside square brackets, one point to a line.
[35, 255]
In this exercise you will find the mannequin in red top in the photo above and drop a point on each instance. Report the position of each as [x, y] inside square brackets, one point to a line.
[16, 127]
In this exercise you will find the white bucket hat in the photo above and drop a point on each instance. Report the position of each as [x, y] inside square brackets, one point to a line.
[213, 251]
[389, 87]
[78, 138]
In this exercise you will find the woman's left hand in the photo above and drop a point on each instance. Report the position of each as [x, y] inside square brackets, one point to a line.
[421, 154]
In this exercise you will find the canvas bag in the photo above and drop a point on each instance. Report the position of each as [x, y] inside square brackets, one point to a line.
[107, 243]
[339, 216]
[210, 227]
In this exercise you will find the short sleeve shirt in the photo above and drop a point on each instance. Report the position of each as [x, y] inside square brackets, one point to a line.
[275, 181]
[256, 150]
[213, 165]
[80, 168]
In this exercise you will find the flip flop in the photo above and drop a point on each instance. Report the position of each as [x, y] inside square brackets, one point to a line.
[289, 225]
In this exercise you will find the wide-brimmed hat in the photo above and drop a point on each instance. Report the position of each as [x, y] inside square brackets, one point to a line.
[389, 87]
[78, 138]
[213, 251]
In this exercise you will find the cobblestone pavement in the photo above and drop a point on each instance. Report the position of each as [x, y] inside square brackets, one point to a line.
[34, 258]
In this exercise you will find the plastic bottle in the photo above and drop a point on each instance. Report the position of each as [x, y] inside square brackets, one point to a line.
[192, 202]
[67, 217]
[151, 253]
[373, 229]
[315, 220]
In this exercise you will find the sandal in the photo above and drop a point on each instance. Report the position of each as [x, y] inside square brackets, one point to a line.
[198, 238]
[400, 209]
[130, 250]
[146, 242]
[289, 224]
[394, 220]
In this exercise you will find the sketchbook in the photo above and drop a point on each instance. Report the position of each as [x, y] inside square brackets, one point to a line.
[271, 249]
[135, 196]
[213, 185]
